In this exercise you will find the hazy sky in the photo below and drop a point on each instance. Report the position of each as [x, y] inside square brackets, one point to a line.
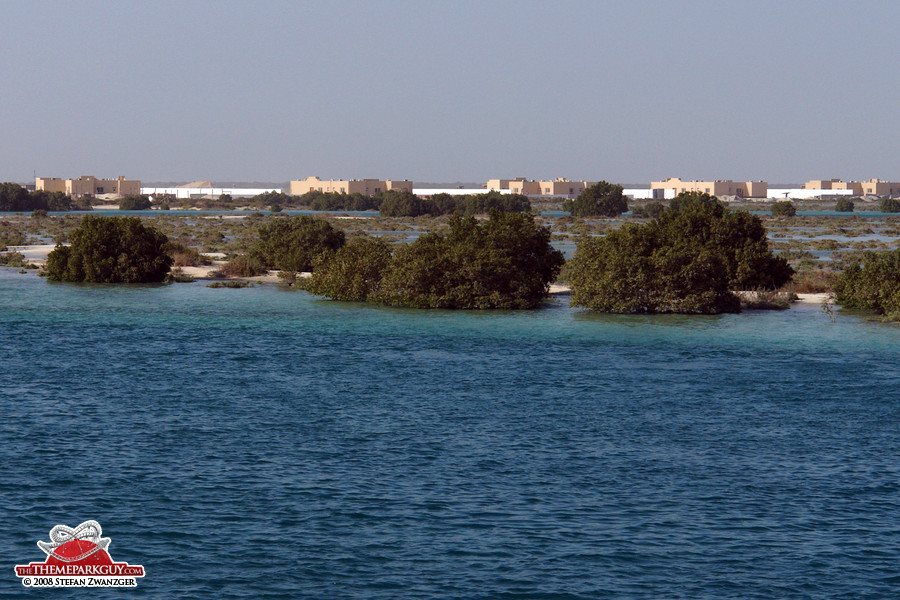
[445, 91]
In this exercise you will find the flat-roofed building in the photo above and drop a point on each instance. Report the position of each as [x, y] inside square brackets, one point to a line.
[556, 187]
[719, 187]
[367, 187]
[834, 184]
[562, 187]
[88, 185]
[877, 187]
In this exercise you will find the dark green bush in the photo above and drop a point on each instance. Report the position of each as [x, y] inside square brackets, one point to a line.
[599, 200]
[844, 205]
[111, 250]
[784, 208]
[686, 260]
[889, 205]
[295, 243]
[872, 283]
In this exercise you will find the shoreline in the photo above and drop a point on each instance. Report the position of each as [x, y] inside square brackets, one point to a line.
[37, 254]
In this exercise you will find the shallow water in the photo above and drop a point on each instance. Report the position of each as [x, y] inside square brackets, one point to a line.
[260, 443]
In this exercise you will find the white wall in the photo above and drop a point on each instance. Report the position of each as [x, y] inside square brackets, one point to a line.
[803, 194]
[184, 193]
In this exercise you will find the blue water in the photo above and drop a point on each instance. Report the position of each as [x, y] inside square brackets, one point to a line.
[260, 443]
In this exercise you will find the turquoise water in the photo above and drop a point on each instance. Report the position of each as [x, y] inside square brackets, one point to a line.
[260, 443]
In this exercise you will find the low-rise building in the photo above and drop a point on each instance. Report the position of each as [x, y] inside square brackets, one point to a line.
[367, 187]
[719, 187]
[88, 185]
[556, 187]
[872, 187]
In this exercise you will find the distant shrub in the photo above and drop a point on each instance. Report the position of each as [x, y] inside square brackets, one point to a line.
[176, 275]
[813, 281]
[889, 205]
[229, 284]
[185, 256]
[784, 208]
[13, 259]
[767, 300]
[39, 213]
[844, 205]
[651, 210]
[602, 199]
[135, 203]
[242, 266]
[406, 204]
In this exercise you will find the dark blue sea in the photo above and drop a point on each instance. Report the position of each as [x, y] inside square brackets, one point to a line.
[261, 443]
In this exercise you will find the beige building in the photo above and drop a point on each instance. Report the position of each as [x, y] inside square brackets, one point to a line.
[877, 187]
[720, 187]
[88, 185]
[872, 187]
[367, 187]
[556, 187]
[833, 184]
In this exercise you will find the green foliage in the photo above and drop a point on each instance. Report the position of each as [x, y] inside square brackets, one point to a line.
[111, 250]
[506, 263]
[784, 208]
[844, 205]
[873, 284]
[39, 213]
[407, 204]
[295, 243]
[354, 272]
[686, 260]
[599, 200]
[229, 284]
[402, 203]
[135, 203]
[13, 259]
[651, 210]
[13, 197]
[334, 201]
[889, 205]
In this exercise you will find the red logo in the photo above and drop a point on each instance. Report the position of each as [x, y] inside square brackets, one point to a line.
[78, 557]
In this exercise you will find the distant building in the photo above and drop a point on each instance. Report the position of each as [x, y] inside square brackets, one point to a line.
[872, 187]
[88, 185]
[720, 187]
[367, 187]
[556, 187]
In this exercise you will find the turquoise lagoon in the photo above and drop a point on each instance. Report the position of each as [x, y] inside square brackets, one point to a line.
[261, 443]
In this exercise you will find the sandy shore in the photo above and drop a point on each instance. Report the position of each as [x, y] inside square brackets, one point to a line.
[36, 254]
[814, 298]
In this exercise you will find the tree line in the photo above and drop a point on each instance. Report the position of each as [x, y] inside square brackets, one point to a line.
[399, 203]
[15, 198]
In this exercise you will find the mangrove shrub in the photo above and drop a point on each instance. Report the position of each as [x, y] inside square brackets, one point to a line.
[602, 199]
[687, 260]
[784, 208]
[505, 262]
[872, 284]
[111, 250]
[295, 243]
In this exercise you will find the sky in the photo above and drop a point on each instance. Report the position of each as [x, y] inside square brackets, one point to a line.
[626, 92]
